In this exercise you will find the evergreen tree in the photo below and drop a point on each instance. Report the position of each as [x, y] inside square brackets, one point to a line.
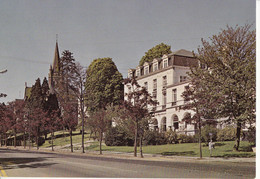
[66, 92]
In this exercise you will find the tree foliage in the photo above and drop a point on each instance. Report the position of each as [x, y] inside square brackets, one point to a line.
[66, 93]
[136, 112]
[103, 84]
[226, 75]
[156, 52]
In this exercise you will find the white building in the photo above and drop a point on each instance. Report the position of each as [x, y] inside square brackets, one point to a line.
[166, 79]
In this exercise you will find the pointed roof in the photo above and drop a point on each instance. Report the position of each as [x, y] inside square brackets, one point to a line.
[56, 60]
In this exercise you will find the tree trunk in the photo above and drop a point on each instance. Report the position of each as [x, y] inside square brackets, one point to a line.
[5, 139]
[52, 134]
[135, 143]
[37, 141]
[71, 145]
[82, 115]
[238, 136]
[200, 138]
[14, 138]
[24, 140]
[1, 140]
[29, 140]
[141, 146]
[100, 142]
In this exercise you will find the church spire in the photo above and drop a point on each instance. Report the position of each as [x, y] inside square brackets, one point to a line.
[56, 60]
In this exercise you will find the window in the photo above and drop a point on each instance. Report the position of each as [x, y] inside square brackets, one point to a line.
[165, 63]
[146, 70]
[146, 85]
[174, 97]
[137, 73]
[155, 84]
[164, 98]
[183, 78]
[164, 80]
[155, 66]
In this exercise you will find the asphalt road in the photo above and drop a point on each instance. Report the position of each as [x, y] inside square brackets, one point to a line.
[16, 163]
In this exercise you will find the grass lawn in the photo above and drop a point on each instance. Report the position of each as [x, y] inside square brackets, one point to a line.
[65, 139]
[222, 149]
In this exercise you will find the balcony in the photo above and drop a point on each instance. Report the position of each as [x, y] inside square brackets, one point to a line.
[163, 107]
[174, 103]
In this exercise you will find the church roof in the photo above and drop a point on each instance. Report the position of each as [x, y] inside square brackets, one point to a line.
[56, 60]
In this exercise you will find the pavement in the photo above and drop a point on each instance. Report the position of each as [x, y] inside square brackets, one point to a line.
[130, 156]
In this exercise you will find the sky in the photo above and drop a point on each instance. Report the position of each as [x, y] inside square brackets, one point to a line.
[121, 29]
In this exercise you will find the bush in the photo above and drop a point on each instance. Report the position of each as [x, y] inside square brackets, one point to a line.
[118, 137]
[226, 134]
[41, 141]
[171, 137]
[152, 137]
[183, 138]
[205, 137]
[250, 136]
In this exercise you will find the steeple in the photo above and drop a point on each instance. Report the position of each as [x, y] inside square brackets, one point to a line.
[56, 60]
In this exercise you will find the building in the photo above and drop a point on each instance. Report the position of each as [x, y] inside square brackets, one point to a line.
[165, 79]
[55, 70]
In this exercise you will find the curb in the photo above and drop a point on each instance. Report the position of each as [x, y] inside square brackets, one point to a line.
[129, 156]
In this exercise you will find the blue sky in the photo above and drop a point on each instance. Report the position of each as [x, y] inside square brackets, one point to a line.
[121, 29]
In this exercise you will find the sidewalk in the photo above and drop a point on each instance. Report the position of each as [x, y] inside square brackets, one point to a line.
[130, 156]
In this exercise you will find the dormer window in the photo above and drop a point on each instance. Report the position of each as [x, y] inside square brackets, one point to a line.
[138, 72]
[183, 78]
[130, 74]
[155, 66]
[165, 63]
[146, 70]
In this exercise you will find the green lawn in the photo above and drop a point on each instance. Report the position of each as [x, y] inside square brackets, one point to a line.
[61, 140]
[222, 149]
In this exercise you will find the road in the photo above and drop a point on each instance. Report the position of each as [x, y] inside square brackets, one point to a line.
[17, 163]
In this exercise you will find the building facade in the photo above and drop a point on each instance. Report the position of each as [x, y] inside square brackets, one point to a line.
[166, 79]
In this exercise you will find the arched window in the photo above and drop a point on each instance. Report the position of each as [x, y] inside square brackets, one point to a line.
[187, 118]
[175, 121]
[155, 124]
[163, 124]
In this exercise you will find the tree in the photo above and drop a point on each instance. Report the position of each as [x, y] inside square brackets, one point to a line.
[53, 122]
[227, 76]
[79, 92]
[136, 109]
[66, 93]
[17, 121]
[36, 113]
[103, 84]
[156, 52]
[101, 121]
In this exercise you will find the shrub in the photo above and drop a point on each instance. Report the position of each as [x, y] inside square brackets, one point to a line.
[226, 134]
[250, 136]
[41, 141]
[118, 137]
[183, 138]
[152, 137]
[205, 137]
[171, 137]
